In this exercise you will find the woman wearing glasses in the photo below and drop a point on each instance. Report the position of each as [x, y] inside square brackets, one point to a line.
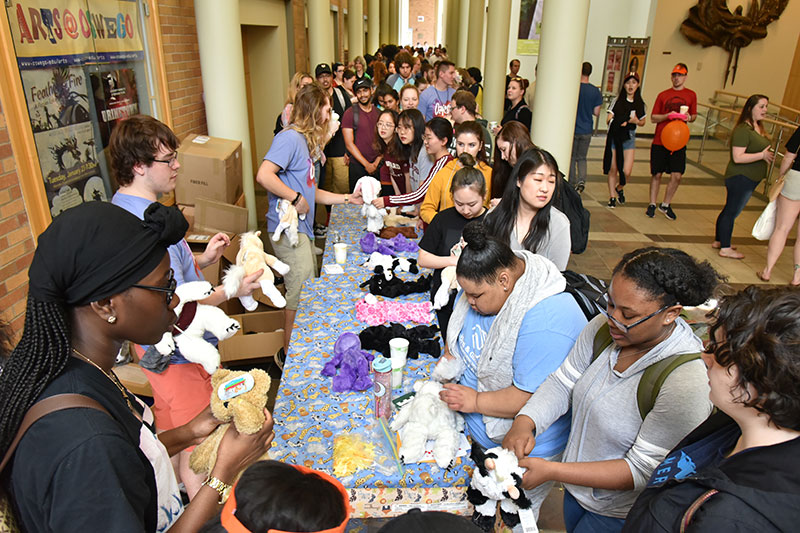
[100, 276]
[144, 161]
[614, 444]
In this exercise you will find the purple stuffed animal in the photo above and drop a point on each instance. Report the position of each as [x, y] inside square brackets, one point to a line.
[352, 363]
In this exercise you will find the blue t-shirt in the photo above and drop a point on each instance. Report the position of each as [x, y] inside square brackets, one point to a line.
[589, 97]
[435, 103]
[706, 452]
[289, 151]
[547, 334]
[181, 259]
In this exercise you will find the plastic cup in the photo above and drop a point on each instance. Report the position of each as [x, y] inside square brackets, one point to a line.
[684, 110]
[633, 114]
[398, 351]
[340, 252]
[492, 125]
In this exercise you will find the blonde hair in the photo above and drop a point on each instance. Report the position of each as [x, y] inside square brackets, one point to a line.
[295, 85]
[306, 118]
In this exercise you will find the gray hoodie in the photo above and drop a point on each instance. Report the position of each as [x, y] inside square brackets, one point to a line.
[606, 423]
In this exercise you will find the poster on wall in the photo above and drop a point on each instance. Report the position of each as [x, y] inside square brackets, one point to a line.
[58, 105]
[637, 57]
[115, 98]
[623, 56]
[530, 27]
[50, 33]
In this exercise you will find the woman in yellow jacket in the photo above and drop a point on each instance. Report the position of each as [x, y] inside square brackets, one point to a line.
[469, 140]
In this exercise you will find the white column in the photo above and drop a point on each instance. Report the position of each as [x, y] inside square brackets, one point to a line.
[477, 13]
[219, 36]
[555, 102]
[451, 27]
[460, 58]
[373, 26]
[498, 19]
[355, 27]
[384, 35]
[394, 21]
[320, 33]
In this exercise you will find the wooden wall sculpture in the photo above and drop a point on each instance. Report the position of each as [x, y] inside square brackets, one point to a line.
[711, 23]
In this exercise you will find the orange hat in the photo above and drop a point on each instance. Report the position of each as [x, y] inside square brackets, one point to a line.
[680, 69]
[231, 524]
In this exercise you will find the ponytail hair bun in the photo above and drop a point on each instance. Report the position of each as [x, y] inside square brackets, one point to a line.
[467, 160]
[474, 234]
[483, 256]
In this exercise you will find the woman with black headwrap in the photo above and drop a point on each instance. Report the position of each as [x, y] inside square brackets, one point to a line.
[101, 276]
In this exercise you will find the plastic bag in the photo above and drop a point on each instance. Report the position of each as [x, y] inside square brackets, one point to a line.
[765, 225]
[369, 447]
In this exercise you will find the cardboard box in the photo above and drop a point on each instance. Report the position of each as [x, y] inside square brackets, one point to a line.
[261, 337]
[210, 168]
[133, 378]
[208, 217]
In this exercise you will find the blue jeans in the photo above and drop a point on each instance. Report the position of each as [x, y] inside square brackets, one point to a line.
[579, 520]
[740, 189]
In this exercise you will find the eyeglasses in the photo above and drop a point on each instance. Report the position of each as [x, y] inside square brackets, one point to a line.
[169, 289]
[169, 162]
[603, 303]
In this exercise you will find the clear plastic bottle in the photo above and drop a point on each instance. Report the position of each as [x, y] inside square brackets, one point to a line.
[382, 367]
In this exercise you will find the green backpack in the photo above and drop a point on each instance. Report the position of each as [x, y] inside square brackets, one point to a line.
[653, 376]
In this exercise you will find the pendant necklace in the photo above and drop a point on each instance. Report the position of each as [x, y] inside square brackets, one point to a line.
[113, 377]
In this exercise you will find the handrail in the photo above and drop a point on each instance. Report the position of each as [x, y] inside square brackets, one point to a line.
[781, 108]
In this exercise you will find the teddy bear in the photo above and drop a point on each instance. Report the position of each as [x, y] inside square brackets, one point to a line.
[425, 417]
[288, 218]
[349, 365]
[497, 477]
[251, 258]
[194, 319]
[370, 189]
[237, 397]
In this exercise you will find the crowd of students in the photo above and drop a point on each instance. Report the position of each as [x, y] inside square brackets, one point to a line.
[574, 397]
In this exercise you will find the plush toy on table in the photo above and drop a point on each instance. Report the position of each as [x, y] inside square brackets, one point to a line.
[448, 286]
[236, 397]
[426, 417]
[349, 365]
[497, 478]
[386, 264]
[194, 319]
[287, 222]
[252, 258]
[370, 189]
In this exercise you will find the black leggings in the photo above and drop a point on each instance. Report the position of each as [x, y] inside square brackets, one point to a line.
[740, 189]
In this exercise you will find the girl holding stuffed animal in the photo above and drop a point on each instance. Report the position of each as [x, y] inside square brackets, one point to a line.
[468, 190]
[469, 140]
[100, 277]
[512, 325]
[623, 420]
[394, 166]
[289, 172]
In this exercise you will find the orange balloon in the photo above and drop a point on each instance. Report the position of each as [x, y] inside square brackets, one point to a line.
[675, 135]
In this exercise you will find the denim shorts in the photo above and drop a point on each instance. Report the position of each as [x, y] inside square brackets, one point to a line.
[629, 144]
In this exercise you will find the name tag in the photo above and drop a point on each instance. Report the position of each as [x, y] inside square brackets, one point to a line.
[235, 387]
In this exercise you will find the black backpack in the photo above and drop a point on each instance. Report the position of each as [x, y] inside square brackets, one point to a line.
[588, 291]
[569, 202]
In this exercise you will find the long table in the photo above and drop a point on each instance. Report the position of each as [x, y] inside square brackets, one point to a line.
[308, 414]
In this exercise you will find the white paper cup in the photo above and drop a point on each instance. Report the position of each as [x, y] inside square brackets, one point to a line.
[684, 110]
[398, 351]
[633, 114]
[492, 125]
[340, 252]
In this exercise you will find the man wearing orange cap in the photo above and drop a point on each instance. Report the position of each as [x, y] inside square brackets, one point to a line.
[668, 107]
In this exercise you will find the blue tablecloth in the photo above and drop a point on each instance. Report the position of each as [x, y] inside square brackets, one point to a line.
[308, 414]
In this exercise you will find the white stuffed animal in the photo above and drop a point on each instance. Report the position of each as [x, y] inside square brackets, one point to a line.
[288, 220]
[448, 369]
[426, 417]
[389, 264]
[251, 258]
[194, 319]
[370, 189]
[497, 477]
[449, 284]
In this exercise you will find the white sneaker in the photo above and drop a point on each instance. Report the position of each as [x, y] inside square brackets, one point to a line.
[317, 250]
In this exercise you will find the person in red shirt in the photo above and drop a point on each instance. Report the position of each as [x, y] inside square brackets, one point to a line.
[667, 108]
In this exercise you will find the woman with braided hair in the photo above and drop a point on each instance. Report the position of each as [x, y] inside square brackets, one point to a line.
[101, 276]
[617, 438]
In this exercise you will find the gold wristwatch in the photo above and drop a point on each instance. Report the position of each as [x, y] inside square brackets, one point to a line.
[220, 486]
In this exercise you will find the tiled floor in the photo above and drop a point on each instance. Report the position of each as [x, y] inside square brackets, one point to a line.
[697, 203]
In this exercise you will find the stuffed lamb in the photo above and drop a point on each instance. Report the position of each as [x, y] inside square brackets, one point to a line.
[448, 286]
[426, 417]
[370, 189]
[288, 221]
[194, 319]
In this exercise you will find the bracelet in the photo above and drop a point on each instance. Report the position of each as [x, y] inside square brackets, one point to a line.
[346, 199]
[296, 199]
[222, 488]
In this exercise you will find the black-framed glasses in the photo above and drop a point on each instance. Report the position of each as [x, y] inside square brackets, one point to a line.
[169, 162]
[603, 303]
[169, 289]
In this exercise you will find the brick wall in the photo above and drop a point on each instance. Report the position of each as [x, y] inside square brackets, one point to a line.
[16, 240]
[426, 30]
[182, 57]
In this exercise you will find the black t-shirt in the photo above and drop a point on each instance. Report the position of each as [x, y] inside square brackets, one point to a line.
[622, 111]
[81, 470]
[441, 235]
[336, 147]
[521, 113]
[793, 145]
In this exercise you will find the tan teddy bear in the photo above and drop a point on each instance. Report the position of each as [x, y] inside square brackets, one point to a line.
[238, 397]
